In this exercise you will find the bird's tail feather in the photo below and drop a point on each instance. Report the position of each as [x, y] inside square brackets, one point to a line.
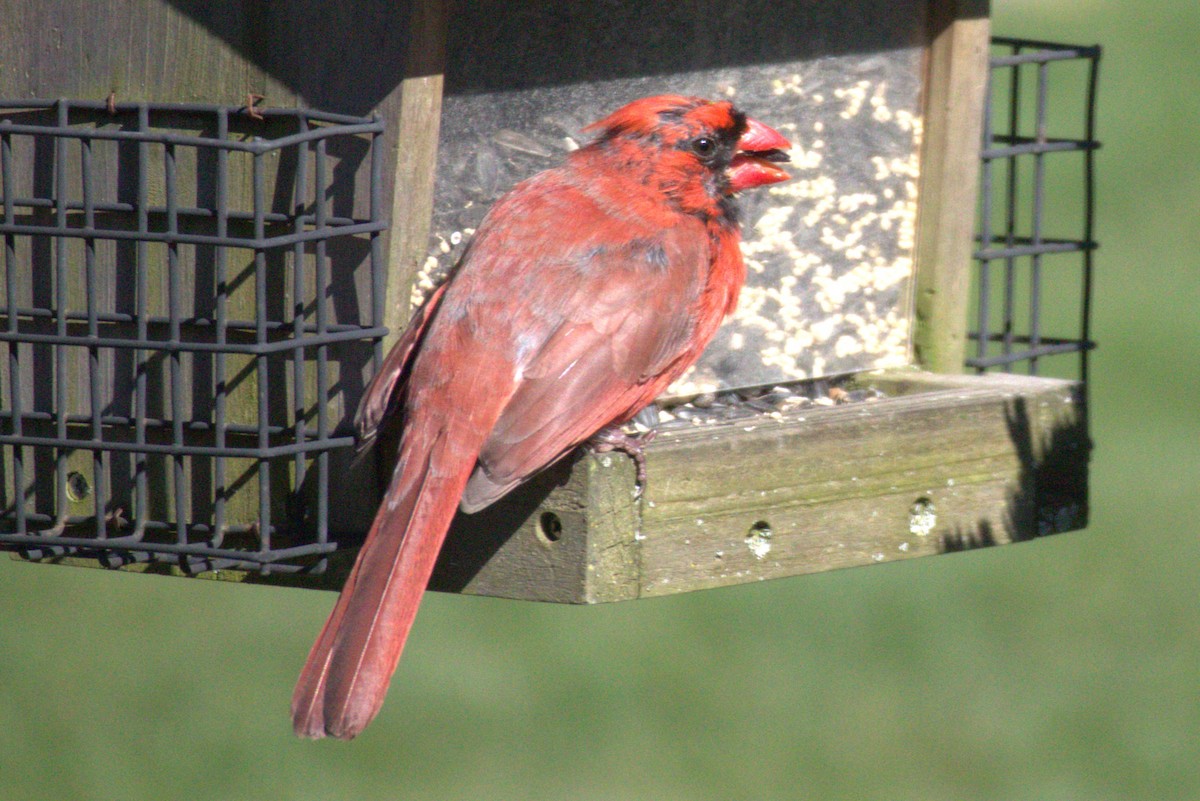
[344, 681]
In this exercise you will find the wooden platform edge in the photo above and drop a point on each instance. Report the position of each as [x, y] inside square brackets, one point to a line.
[944, 463]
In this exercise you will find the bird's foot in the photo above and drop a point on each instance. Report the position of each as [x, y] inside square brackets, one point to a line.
[252, 101]
[614, 438]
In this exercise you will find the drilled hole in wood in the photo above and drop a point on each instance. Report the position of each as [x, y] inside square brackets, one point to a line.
[758, 540]
[549, 527]
[922, 517]
[78, 487]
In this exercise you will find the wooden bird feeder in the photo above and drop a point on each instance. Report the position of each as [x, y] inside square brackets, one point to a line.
[196, 288]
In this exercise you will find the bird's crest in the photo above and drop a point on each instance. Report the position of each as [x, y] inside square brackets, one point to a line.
[645, 116]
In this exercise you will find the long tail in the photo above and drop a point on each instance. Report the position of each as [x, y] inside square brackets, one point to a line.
[346, 676]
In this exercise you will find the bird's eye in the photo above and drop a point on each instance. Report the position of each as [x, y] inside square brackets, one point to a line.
[704, 146]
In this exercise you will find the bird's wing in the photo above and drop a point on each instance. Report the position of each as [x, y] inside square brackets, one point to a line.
[380, 402]
[614, 323]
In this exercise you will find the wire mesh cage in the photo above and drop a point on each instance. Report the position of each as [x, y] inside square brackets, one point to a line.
[191, 294]
[1036, 207]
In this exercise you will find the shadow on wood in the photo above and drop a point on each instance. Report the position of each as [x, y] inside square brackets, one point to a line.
[1051, 490]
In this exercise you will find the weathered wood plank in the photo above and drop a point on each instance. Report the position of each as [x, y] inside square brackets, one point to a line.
[418, 121]
[414, 114]
[955, 85]
[912, 475]
[576, 544]
[947, 463]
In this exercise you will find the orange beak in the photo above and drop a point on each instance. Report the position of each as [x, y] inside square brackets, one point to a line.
[759, 149]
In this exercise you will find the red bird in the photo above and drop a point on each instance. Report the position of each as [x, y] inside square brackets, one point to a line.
[585, 292]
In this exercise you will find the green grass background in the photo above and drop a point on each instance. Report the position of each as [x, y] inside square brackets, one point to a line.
[1067, 668]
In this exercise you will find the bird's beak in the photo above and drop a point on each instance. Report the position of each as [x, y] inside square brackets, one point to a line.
[759, 149]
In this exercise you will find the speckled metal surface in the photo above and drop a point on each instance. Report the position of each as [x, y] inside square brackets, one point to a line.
[829, 254]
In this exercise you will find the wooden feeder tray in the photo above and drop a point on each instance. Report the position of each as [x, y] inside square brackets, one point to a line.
[941, 463]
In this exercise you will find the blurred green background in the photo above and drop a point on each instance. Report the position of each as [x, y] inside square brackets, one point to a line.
[1067, 668]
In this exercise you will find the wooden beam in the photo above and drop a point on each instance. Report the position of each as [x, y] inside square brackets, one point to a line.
[956, 85]
[945, 463]
[417, 126]
[414, 113]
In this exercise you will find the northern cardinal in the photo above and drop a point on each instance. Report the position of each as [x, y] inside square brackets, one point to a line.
[585, 292]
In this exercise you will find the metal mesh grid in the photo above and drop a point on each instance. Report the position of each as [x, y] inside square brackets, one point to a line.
[175, 343]
[1038, 150]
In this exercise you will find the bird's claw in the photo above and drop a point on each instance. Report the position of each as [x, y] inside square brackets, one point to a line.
[252, 101]
[614, 438]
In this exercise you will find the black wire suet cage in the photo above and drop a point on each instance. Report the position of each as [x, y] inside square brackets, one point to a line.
[1037, 206]
[177, 330]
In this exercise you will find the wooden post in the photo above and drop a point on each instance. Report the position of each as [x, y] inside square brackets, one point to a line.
[955, 91]
[417, 126]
